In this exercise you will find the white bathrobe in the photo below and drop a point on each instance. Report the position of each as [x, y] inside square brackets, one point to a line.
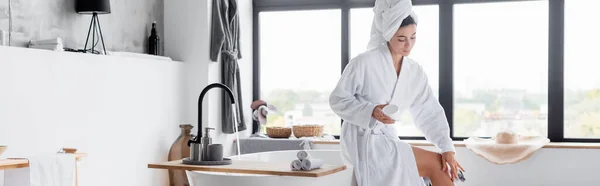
[379, 157]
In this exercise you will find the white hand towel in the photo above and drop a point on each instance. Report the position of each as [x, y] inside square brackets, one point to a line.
[310, 164]
[296, 165]
[55, 169]
[56, 47]
[302, 155]
[46, 41]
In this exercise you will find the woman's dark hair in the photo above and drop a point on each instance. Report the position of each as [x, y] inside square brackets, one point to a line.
[408, 21]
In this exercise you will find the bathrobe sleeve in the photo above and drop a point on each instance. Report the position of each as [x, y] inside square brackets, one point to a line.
[344, 100]
[429, 116]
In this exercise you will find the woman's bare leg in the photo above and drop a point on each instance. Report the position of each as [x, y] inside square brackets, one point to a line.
[430, 166]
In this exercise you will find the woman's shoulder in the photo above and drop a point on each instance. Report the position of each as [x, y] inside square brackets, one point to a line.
[366, 57]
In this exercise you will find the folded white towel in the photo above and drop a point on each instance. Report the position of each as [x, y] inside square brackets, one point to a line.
[296, 165]
[302, 155]
[310, 164]
[46, 41]
[58, 47]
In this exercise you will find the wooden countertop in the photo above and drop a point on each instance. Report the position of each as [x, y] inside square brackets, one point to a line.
[15, 163]
[252, 167]
[559, 145]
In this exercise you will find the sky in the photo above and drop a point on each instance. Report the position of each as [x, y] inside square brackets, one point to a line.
[492, 48]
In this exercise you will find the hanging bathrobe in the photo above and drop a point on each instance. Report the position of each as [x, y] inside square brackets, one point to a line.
[225, 42]
[378, 156]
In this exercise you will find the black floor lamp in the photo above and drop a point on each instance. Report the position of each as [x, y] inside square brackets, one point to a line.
[93, 7]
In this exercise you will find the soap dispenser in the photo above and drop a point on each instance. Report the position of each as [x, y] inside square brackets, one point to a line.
[206, 141]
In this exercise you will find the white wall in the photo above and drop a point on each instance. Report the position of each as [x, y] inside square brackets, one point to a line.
[547, 167]
[123, 111]
[187, 36]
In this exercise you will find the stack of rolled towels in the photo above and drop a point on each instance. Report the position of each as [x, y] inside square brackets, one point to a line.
[305, 162]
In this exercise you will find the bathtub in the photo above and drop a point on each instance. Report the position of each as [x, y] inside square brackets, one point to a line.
[333, 157]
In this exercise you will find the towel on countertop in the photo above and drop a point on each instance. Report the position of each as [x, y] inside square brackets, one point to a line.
[302, 155]
[296, 165]
[53, 41]
[255, 145]
[54, 169]
[55, 44]
[311, 163]
[305, 162]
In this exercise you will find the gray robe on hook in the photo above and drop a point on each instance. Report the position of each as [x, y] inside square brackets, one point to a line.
[225, 41]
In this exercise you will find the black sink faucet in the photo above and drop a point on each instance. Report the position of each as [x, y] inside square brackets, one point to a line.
[199, 144]
[202, 94]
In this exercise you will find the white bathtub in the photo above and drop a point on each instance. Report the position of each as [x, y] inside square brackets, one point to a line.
[333, 157]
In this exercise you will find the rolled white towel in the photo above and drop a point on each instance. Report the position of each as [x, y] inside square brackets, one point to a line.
[310, 164]
[296, 165]
[302, 155]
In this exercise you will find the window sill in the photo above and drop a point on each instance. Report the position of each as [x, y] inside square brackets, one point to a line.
[554, 145]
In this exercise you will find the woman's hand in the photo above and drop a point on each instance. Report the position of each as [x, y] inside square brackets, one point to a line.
[448, 160]
[380, 116]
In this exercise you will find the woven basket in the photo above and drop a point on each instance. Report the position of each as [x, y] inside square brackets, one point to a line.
[308, 130]
[279, 132]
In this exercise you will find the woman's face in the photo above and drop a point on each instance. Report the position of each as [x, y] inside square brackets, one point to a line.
[404, 40]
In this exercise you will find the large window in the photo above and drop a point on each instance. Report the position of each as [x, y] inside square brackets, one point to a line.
[300, 66]
[525, 65]
[425, 51]
[582, 69]
[500, 68]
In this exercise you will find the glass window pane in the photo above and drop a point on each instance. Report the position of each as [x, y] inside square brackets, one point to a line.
[300, 65]
[582, 77]
[425, 51]
[500, 68]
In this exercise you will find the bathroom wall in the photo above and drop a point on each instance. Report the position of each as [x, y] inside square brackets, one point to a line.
[187, 37]
[125, 29]
[547, 167]
[124, 112]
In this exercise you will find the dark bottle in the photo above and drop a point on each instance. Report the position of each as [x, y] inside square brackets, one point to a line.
[153, 41]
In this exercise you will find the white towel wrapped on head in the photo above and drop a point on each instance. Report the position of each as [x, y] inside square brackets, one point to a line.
[387, 18]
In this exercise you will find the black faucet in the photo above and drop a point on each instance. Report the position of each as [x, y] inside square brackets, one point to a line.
[206, 89]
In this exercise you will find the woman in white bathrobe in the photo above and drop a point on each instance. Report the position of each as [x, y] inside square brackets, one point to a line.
[382, 76]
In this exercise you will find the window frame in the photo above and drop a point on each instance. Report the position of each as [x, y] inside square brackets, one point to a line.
[446, 50]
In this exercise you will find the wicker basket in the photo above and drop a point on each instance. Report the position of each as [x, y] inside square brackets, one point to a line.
[308, 130]
[279, 132]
